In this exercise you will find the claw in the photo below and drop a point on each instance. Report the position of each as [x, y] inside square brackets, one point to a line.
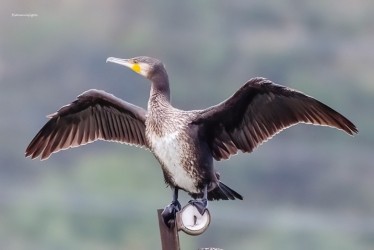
[200, 204]
[170, 212]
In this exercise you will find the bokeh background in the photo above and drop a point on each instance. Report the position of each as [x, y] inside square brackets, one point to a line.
[308, 188]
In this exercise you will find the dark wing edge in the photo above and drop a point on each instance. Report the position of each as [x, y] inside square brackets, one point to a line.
[259, 110]
[94, 115]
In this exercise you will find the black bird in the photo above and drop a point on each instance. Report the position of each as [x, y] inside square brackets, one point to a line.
[184, 142]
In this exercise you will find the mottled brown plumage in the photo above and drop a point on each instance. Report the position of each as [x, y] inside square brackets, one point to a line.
[184, 142]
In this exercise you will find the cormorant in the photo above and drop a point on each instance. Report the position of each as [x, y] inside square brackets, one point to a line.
[184, 142]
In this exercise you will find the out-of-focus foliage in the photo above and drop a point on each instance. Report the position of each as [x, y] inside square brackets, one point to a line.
[308, 188]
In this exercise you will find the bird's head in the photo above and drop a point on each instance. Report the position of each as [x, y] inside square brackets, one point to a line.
[143, 65]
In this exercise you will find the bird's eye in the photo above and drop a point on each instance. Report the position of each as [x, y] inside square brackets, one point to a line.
[135, 60]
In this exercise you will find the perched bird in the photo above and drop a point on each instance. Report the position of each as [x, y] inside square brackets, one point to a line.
[184, 142]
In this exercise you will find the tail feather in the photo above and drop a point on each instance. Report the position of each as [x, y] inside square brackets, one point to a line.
[223, 192]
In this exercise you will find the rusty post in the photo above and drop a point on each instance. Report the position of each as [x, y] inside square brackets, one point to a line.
[169, 236]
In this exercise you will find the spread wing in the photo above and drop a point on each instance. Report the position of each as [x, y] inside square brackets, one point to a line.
[94, 115]
[259, 110]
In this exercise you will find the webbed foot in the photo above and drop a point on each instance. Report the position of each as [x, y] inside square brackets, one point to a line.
[200, 204]
[170, 212]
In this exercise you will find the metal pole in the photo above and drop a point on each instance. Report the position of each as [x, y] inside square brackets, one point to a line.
[169, 236]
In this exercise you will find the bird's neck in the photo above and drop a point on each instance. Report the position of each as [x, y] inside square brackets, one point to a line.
[160, 88]
[159, 101]
[158, 105]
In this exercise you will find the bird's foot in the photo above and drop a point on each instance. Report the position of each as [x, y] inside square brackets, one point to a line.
[200, 204]
[170, 212]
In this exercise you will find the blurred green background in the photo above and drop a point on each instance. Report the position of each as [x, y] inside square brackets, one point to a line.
[308, 188]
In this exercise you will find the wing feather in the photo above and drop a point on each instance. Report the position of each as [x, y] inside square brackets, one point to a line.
[258, 111]
[94, 115]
